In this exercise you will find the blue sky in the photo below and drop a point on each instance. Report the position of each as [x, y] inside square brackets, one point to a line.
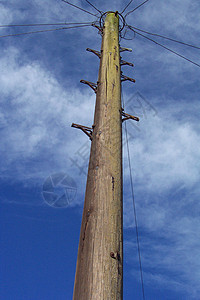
[41, 96]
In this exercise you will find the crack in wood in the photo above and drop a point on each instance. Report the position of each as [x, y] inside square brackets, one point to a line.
[113, 183]
[86, 224]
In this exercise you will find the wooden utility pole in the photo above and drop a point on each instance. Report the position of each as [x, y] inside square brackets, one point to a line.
[99, 271]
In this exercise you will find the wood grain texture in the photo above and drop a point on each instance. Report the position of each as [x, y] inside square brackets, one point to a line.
[99, 271]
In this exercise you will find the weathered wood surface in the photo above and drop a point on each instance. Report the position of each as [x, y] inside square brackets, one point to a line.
[99, 264]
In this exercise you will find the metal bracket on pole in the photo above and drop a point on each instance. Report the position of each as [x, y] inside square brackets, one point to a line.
[91, 84]
[125, 78]
[123, 63]
[87, 130]
[122, 49]
[97, 53]
[98, 27]
[127, 116]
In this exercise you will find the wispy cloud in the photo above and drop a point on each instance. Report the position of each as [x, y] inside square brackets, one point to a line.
[37, 113]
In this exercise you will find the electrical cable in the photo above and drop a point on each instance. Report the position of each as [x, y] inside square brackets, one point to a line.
[123, 36]
[39, 31]
[44, 24]
[126, 7]
[170, 50]
[135, 8]
[134, 206]
[167, 38]
[79, 8]
[94, 6]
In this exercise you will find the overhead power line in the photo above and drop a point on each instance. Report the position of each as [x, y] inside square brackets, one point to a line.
[167, 38]
[79, 8]
[135, 8]
[43, 24]
[39, 31]
[93, 6]
[126, 6]
[170, 50]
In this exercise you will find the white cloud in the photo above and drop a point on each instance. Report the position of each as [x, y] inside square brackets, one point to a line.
[170, 254]
[38, 112]
[165, 153]
[6, 15]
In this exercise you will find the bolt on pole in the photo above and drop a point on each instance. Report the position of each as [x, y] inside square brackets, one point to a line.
[99, 270]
